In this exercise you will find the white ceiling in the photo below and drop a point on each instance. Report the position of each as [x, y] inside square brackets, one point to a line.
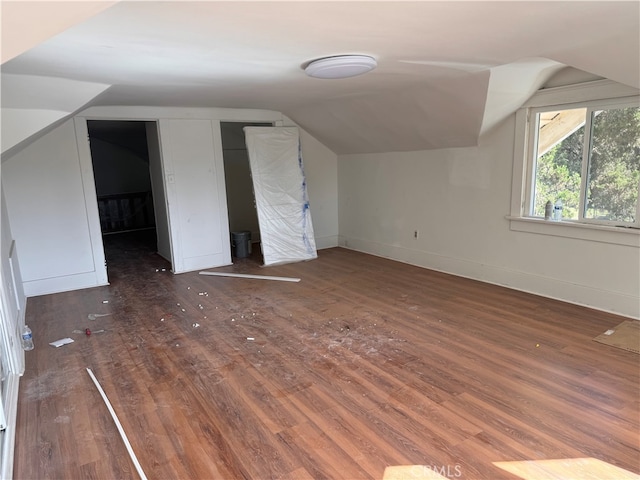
[447, 70]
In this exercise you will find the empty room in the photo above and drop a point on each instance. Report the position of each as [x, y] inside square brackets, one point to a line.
[304, 240]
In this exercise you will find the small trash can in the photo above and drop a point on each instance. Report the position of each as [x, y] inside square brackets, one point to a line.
[241, 244]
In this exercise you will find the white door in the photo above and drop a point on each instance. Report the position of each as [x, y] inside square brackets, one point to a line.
[158, 188]
[196, 196]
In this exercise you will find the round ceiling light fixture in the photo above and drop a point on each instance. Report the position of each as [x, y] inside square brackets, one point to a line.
[341, 66]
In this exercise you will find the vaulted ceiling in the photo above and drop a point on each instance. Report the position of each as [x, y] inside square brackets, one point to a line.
[447, 71]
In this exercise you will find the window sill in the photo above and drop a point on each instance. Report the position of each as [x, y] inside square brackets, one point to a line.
[583, 231]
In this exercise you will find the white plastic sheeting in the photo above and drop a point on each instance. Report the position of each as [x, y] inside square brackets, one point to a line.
[280, 189]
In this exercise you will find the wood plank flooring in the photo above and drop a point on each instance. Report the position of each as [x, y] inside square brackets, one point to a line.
[364, 364]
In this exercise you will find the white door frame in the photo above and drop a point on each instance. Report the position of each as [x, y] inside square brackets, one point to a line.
[91, 200]
[91, 197]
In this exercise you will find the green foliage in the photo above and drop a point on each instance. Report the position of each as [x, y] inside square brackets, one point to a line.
[615, 165]
[613, 174]
[558, 176]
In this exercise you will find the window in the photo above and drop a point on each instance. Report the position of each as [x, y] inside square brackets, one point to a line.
[579, 145]
[586, 159]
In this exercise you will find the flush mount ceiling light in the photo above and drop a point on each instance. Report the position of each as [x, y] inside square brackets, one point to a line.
[342, 66]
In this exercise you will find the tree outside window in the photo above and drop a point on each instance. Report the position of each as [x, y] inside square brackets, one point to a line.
[589, 159]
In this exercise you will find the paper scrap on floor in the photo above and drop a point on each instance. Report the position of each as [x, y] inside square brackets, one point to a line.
[61, 342]
[625, 336]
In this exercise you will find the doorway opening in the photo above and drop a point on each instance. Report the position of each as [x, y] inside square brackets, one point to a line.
[130, 192]
[241, 203]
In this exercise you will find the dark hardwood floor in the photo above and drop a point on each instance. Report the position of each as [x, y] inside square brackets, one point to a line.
[364, 364]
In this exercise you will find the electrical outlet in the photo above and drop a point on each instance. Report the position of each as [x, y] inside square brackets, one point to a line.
[415, 234]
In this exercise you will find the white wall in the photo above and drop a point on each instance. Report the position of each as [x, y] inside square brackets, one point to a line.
[26, 24]
[44, 190]
[458, 199]
[321, 173]
[32, 103]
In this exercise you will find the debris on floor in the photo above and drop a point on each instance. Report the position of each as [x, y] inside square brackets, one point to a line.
[93, 316]
[61, 342]
[123, 435]
[243, 275]
[89, 332]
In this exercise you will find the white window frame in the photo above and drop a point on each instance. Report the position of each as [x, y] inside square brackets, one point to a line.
[600, 94]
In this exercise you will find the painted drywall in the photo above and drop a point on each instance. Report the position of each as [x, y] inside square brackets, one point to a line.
[321, 172]
[428, 91]
[44, 191]
[26, 24]
[457, 200]
[19, 124]
[31, 104]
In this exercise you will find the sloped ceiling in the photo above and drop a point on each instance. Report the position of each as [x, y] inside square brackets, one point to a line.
[448, 71]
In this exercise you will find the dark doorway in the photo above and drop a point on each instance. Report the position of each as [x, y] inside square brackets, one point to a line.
[241, 204]
[124, 187]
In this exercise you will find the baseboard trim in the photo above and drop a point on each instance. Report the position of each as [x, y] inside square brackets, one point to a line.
[328, 241]
[583, 295]
[66, 283]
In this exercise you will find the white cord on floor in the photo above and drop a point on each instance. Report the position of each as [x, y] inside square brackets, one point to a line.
[134, 459]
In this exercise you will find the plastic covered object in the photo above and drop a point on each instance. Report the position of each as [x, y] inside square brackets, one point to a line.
[277, 170]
